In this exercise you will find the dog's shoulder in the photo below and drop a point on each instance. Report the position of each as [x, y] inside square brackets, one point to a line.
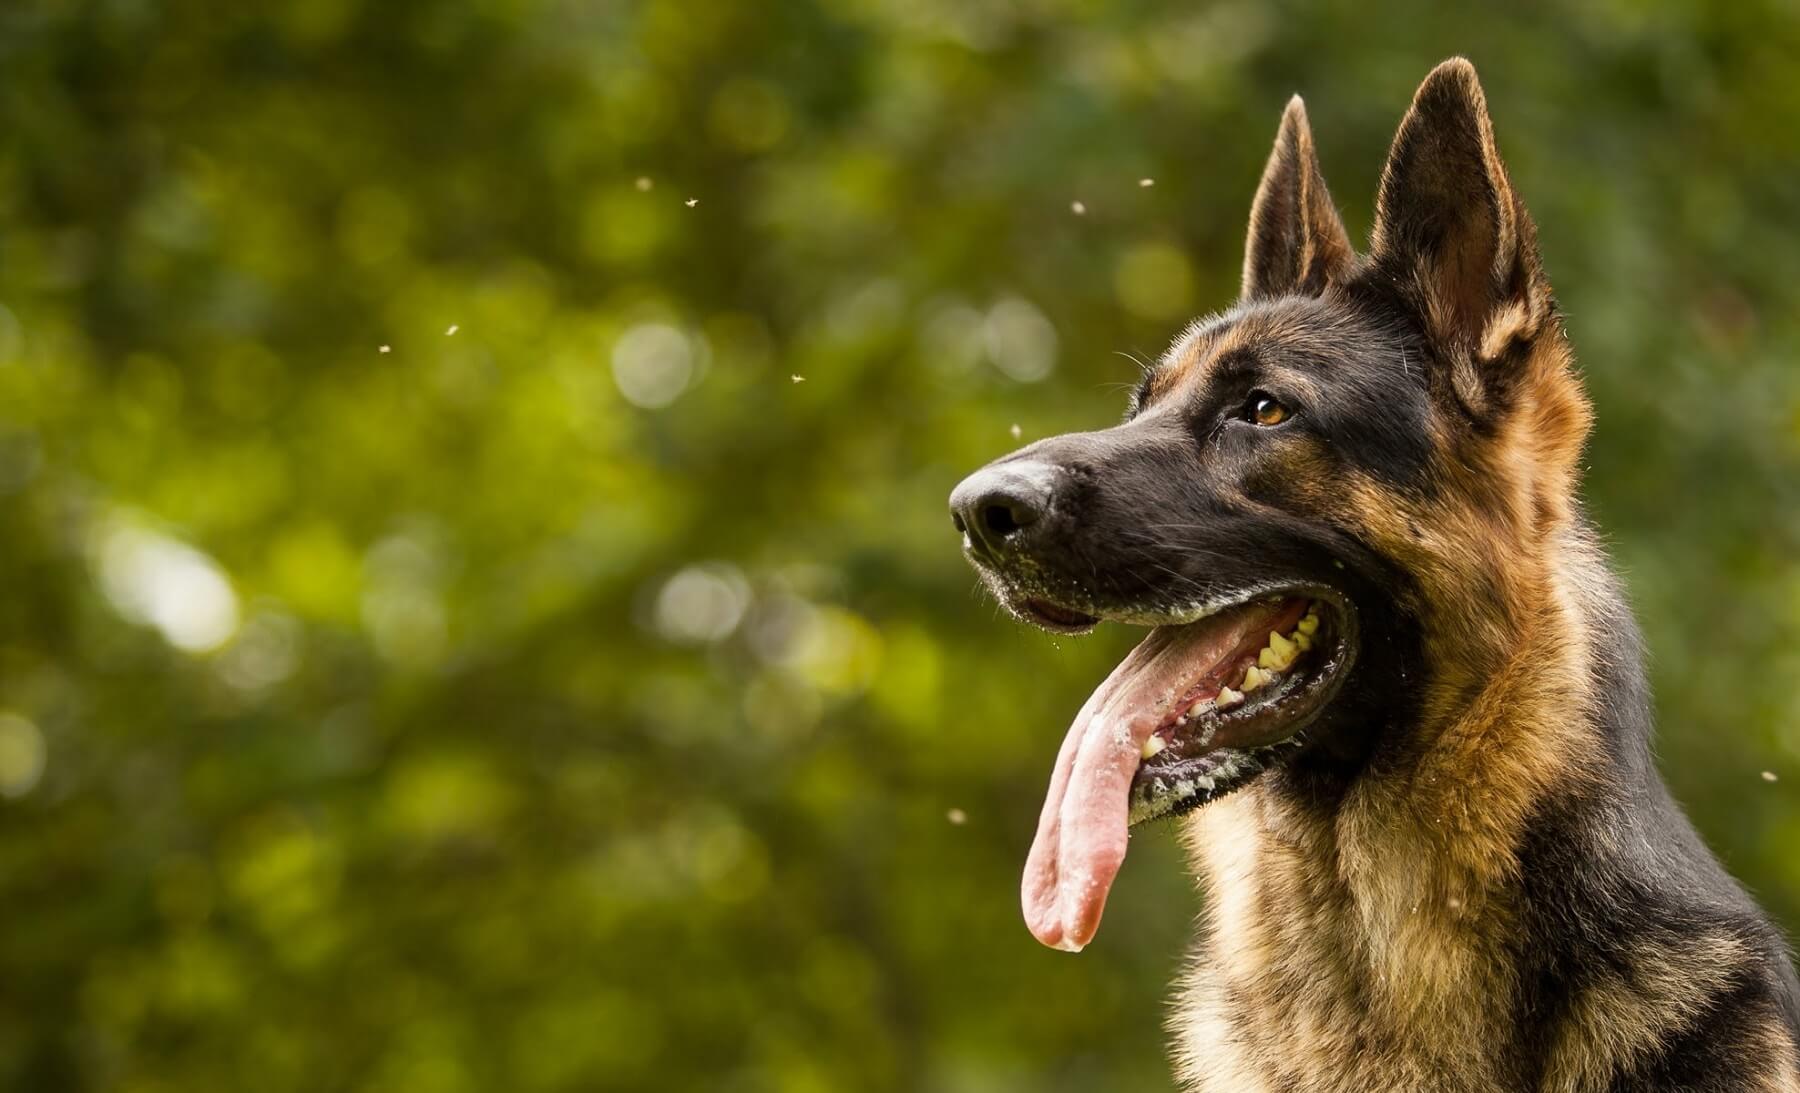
[1643, 965]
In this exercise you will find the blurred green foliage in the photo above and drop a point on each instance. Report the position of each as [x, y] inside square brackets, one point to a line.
[477, 609]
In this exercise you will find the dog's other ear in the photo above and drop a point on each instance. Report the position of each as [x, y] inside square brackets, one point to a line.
[1297, 243]
[1450, 232]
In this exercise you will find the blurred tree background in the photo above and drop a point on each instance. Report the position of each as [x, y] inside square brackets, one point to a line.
[477, 606]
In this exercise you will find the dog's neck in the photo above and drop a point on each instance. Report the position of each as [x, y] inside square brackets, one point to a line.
[1378, 911]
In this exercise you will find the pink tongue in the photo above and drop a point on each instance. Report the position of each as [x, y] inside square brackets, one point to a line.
[1084, 827]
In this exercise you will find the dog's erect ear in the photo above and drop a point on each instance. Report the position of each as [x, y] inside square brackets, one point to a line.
[1451, 233]
[1297, 243]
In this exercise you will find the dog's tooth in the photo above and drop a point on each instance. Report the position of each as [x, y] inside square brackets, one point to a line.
[1278, 660]
[1254, 678]
[1153, 745]
[1301, 641]
[1228, 698]
[1309, 624]
[1199, 706]
[1283, 649]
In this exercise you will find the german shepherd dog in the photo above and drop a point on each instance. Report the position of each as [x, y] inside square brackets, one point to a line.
[1390, 680]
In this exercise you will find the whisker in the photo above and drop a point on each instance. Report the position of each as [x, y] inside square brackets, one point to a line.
[1142, 364]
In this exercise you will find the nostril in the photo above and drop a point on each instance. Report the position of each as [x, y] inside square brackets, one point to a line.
[1000, 519]
[993, 507]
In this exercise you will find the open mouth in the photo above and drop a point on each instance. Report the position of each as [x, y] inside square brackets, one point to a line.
[1238, 712]
[1196, 710]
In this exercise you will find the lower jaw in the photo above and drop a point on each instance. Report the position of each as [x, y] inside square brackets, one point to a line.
[1179, 788]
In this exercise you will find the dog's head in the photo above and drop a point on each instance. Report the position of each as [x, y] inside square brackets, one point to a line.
[1308, 494]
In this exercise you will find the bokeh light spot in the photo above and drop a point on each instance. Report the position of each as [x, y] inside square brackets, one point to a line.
[22, 755]
[1020, 341]
[153, 579]
[1154, 280]
[265, 652]
[652, 364]
[702, 603]
[402, 602]
[749, 115]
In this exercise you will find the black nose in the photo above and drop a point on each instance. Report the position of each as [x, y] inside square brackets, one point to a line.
[996, 506]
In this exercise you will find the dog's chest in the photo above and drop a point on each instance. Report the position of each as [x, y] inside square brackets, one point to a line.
[1304, 980]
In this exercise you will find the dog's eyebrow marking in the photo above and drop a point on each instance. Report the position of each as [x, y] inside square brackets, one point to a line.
[1185, 357]
[1205, 368]
[1234, 363]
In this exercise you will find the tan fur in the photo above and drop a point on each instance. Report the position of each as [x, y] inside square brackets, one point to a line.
[1773, 1044]
[1622, 1016]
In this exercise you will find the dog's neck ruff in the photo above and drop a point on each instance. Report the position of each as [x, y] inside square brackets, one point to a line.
[1385, 919]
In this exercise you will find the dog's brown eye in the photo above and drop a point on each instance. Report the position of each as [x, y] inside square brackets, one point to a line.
[1264, 410]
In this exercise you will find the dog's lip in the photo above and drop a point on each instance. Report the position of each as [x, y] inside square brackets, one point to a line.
[1029, 607]
[1182, 614]
[1055, 617]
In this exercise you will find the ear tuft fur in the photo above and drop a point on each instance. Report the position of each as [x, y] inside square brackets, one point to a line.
[1297, 244]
